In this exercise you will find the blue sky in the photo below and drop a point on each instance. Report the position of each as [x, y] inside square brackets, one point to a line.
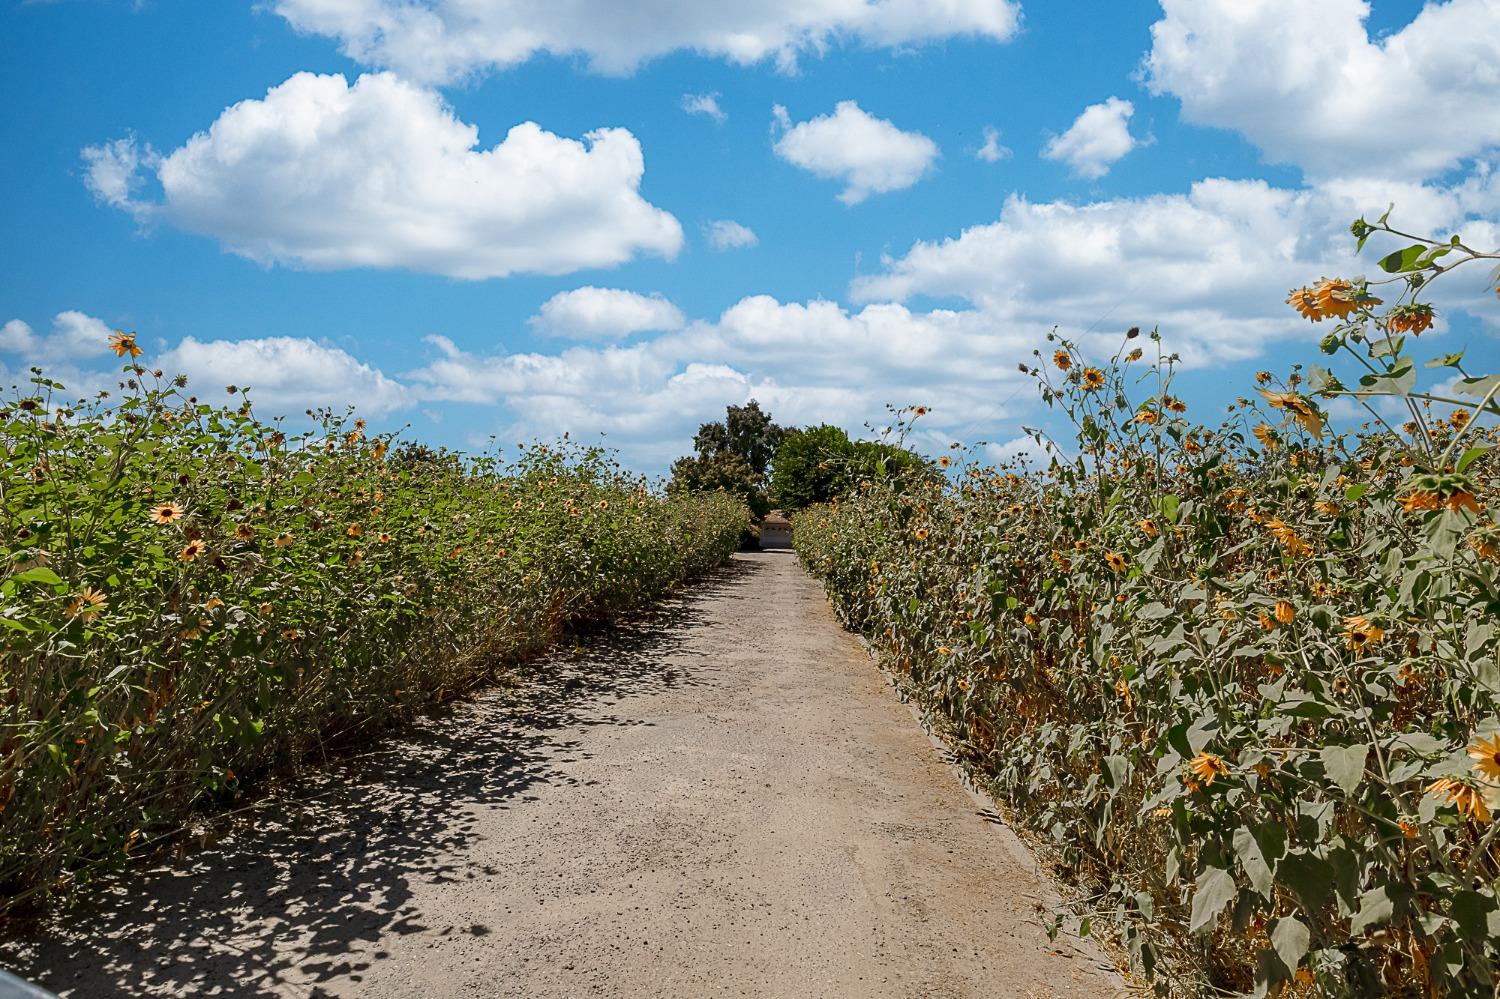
[340, 238]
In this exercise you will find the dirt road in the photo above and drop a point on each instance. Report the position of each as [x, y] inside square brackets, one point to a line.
[724, 800]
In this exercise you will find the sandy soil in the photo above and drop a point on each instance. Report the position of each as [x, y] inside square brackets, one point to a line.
[724, 799]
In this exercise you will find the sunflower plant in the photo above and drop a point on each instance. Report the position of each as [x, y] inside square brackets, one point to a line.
[1240, 677]
[191, 598]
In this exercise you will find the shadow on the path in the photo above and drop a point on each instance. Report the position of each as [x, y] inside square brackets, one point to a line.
[278, 905]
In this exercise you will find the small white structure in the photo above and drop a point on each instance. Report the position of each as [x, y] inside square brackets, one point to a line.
[775, 531]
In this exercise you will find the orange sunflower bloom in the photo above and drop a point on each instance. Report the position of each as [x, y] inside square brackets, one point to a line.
[1115, 561]
[1207, 766]
[1306, 304]
[1486, 756]
[1285, 612]
[1469, 800]
[166, 513]
[1093, 379]
[88, 604]
[1062, 360]
[1360, 633]
[191, 551]
[123, 343]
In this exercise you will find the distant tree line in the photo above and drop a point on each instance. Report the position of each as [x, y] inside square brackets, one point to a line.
[788, 468]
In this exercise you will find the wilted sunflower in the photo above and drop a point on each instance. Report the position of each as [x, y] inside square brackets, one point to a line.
[88, 604]
[191, 551]
[1176, 405]
[1414, 319]
[1337, 298]
[1421, 500]
[1135, 355]
[244, 532]
[1467, 799]
[1285, 612]
[1486, 756]
[166, 513]
[943, 650]
[1093, 379]
[1148, 528]
[1264, 377]
[1360, 633]
[1207, 766]
[1288, 537]
[283, 540]
[1300, 408]
[354, 530]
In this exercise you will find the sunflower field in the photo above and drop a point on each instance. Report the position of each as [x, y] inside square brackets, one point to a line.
[1242, 678]
[190, 598]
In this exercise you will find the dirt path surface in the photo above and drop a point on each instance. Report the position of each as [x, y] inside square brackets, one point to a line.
[725, 799]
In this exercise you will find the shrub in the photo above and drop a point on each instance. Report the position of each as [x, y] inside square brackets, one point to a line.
[191, 598]
[1243, 677]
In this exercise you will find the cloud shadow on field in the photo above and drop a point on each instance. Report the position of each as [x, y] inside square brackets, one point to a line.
[300, 892]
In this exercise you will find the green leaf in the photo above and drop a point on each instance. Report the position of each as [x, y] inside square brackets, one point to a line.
[39, 574]
[1345, 765]
[1375, 907]
[1253, 861]
[1477, 387]
[1290, 938]
[1309, 876]
[1446, 361]
[1471, 454]
[1215, 890]
[1403, 260]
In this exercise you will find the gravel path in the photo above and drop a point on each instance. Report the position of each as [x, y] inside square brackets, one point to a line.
[725, 799]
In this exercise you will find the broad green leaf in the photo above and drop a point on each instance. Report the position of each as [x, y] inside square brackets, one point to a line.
[1290, 938]
[1345, 765]
[1253, 861]
[1215, 889]
[38, 574]
[1375, 908]
[1471, 454]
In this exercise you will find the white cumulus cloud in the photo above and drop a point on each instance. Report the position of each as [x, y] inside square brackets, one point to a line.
[604, 314]
[1307, 84]
[1098, 138]
[706, 105]
[1212, 266]
[444, 40]
[727, 234]
[74, 337]
[286, 375]
[992, 151]
[868, 154]
[322, 174]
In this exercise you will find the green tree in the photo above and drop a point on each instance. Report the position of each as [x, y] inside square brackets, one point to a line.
[733, 455]
[815, 464]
